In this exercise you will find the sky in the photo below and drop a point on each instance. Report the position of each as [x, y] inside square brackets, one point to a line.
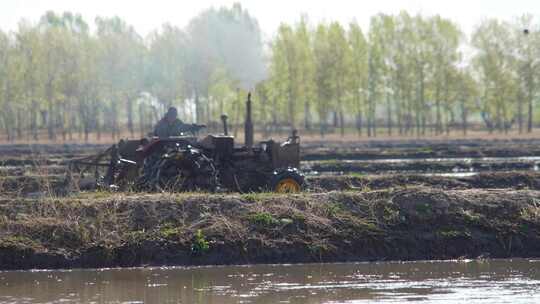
[148, 15]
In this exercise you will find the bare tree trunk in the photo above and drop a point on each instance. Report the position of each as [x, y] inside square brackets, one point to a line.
[464, 125]
[141, 120]
[86, 119]
[421, 110]
[359, 123]
[208, 112]
[19, 128]
[342, 123]
[388, 114]
[498, 119]
[129, 108]
[113, 118]
[341, 115]
[33, 120]
[530, 108]
[307, 116]
[197, 107]
[520, 113]
[63, 121]
[438, 127]
[447, 122]
[322, 124]
[97, 123]
[399, 114]
[419, 119]
[50, 121]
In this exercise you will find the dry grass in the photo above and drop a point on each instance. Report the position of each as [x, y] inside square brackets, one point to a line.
[317, 226]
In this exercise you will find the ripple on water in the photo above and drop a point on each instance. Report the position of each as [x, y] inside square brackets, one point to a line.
[503, 281]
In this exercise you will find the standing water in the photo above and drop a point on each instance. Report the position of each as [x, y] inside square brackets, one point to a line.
[485, 281]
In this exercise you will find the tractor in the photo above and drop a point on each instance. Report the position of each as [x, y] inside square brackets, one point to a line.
[185, 163]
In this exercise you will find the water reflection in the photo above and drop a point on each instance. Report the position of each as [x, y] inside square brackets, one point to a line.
[501, 281]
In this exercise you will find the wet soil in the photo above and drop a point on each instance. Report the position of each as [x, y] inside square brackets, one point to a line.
[44, 185]
[48, 149]
[426, 166]
[328, 150]
[497, 180]
[420, 149]
[202, 229]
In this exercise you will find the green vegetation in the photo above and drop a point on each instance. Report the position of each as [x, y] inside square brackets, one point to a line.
[452, 234]
[263, 219]
[200, 244]
[405, 75]
[332, 209]
[169, 231]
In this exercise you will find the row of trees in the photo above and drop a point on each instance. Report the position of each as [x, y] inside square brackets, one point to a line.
[410, 74]
[407, 74]
[58, 78]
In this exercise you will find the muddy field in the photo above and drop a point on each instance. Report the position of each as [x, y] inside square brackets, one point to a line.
[31, 169]
[364, 201]
[39, 170]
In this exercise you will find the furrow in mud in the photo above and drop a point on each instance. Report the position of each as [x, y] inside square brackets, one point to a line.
[498, 180]
[426, 166]
[329, 150]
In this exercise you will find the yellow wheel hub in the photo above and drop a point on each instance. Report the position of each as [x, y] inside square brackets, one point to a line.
[287, 185]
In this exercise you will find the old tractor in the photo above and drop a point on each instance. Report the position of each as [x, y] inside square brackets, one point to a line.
[186, 163]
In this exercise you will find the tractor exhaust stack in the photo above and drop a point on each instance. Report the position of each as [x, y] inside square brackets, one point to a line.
[224, 121]
[248, 127]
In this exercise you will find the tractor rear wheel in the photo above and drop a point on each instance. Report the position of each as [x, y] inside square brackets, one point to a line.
[187, 170]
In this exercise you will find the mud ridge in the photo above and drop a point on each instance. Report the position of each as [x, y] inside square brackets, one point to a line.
[497, 180]
[126, 230]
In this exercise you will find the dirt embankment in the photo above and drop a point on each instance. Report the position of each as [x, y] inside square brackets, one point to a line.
[201, 229]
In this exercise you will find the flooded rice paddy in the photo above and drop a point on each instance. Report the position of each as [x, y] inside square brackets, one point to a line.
[470, 281]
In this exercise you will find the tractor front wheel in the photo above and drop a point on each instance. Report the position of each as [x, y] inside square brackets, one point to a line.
[287, 181]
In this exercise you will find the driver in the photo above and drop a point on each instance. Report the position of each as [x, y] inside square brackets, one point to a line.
[170, 125]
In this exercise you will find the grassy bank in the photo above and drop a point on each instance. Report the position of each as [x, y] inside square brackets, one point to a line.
[103, 230]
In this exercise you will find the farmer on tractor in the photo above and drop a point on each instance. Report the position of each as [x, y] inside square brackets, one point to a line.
[171, 126]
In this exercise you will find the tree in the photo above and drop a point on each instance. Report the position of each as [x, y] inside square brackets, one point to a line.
[323, 62]
[120, 61]
[526, 63]
[305, 61]
[283, 74]
[497, 80]
[340, 53]
[166, 65]
[8, 77]
[445, 42]
[359, 71]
